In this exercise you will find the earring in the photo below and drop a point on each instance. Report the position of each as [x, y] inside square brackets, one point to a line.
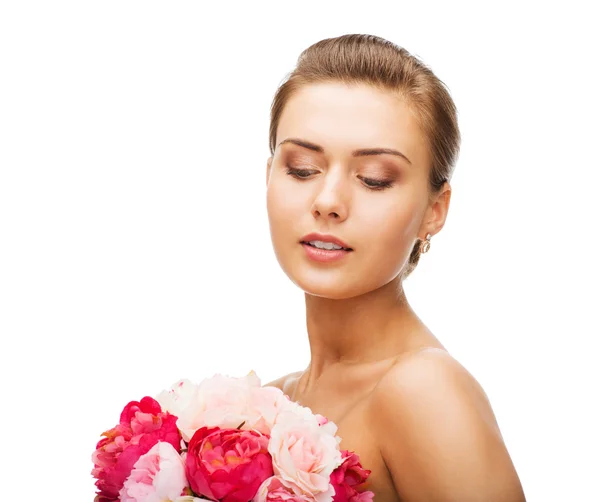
[426, 244]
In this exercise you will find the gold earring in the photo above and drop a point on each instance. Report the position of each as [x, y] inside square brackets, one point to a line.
[426, 244]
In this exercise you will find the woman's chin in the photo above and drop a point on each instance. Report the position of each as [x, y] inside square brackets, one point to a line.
[336, 286]
[327, 287]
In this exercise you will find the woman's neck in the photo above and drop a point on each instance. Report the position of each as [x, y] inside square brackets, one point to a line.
[362, 330]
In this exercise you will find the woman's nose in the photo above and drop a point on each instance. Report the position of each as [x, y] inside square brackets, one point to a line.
[331, 201]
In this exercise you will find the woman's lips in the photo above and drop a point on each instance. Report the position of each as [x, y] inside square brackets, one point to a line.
[324, 255]
[314, 236]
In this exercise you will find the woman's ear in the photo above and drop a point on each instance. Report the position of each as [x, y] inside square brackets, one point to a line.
[438, 212]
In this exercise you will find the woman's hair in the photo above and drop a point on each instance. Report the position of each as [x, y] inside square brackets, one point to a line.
[368, 59]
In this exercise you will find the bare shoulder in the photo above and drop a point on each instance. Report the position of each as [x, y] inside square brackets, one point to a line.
[282, 382]
[438, 435]
[434, 371]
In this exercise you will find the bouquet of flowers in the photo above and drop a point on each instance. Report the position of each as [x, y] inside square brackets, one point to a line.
[227, 440]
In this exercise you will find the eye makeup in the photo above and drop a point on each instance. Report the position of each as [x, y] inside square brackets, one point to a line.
[370, 183]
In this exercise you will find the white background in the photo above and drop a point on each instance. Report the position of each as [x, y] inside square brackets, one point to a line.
[134, 240]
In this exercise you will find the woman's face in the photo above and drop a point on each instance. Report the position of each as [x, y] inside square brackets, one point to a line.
[334, 191]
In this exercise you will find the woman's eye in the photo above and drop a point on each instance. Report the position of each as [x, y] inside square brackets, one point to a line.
[372, 184]
[299, 173]
[377, 184]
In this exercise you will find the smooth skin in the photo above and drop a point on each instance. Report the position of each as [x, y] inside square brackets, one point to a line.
[417, 418]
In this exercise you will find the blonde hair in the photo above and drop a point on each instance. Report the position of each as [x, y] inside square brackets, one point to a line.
[368, 59]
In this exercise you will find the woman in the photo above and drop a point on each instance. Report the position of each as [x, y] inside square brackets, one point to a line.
[363, 141]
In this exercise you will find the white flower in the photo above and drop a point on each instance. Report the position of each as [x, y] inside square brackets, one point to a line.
[179, 397]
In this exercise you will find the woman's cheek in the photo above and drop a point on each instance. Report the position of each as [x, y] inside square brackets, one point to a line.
[283, 218]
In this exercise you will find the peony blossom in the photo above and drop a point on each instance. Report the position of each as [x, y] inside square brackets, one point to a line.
[228, 465]
[246, 443]
[225, 402]
[157, 476]
[348, 478]
[179, 397]
[305, 454]
[306, 414]
[274, 490]
[190, 498]
[265, 406]
[142, 424]
[321, 420]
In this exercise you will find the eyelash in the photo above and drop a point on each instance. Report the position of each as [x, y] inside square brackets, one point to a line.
[375, 184]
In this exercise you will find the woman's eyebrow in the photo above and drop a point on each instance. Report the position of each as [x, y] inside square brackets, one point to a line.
[356, 153]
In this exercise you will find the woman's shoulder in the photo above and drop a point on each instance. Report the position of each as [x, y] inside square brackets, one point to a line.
[432, 371]
[282, 382]
[430, 365]
[430, 403]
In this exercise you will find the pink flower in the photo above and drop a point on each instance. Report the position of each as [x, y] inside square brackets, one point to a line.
[156, 476]
[305, 413]
[266, 403]
[321, 420]
[142, 424]
[228, 465]
[190, 498]
[348, 478]
[305, 454]
[224, 402]
[273, 490]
